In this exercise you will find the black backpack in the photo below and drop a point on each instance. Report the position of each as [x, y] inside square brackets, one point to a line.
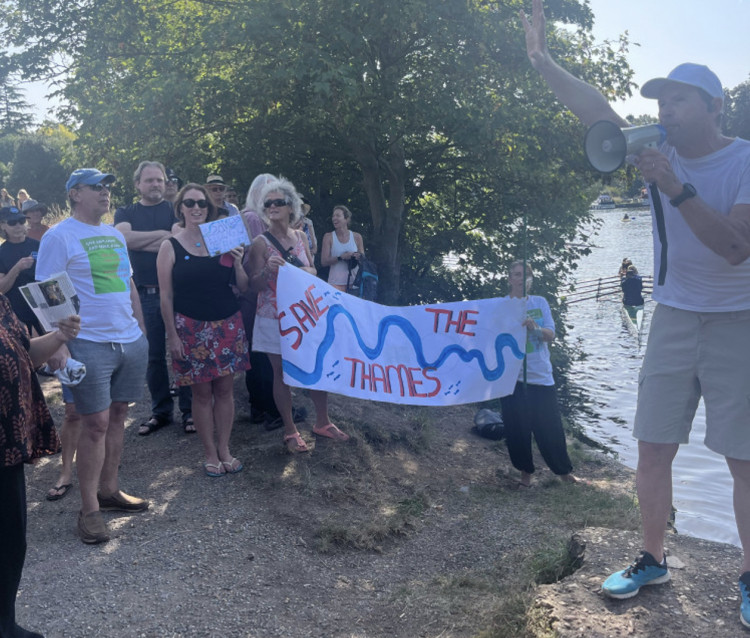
[489, 424]
[365, 284]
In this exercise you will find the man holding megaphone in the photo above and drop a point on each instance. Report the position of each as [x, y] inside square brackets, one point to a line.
[699, 342]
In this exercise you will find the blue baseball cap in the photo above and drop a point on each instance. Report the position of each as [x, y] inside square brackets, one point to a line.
[697, 75]
[88, 177]
[8, 213]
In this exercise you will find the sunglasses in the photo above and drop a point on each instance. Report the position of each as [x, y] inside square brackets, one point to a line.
[191, 203]
[99, 187]
[217, 189]
[15, 222]
[275, 202]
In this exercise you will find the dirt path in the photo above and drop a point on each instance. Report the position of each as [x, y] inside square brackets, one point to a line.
[413, 528]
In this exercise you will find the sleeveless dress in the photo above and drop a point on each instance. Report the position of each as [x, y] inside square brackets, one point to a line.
[207, 319]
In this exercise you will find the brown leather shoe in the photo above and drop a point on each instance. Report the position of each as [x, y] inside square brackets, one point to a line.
[121, 502]
[91, 528]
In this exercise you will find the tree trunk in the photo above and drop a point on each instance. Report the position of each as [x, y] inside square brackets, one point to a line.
[387, 213]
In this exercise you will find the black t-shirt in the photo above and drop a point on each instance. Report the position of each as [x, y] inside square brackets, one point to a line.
[9, 254]
[145, 218]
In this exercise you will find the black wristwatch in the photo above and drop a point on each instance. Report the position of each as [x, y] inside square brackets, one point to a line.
[688, 191]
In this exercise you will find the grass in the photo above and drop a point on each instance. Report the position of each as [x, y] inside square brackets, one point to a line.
[379, 490]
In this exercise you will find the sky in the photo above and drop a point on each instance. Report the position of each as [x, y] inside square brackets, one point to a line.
[668, 32]
[671, 32]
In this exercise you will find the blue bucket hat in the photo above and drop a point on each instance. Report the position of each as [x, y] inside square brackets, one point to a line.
[697, 75]
[88, 177]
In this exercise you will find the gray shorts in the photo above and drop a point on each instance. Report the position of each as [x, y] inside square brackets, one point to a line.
[689, 355]
[114, 372]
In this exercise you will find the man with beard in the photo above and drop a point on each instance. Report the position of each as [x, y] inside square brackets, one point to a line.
[145, 225]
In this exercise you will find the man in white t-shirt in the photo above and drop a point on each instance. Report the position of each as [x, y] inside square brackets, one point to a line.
[698, 343]
[111, 343]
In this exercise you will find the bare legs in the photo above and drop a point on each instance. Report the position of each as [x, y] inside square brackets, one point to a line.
[282, 395]
[741, 474]
[213, 413]
[654, 487]
[99, 452]
[69, 434]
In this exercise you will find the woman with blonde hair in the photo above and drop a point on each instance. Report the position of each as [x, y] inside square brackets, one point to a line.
[279, 247]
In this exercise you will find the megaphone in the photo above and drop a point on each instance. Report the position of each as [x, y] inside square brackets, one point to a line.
[606, 145]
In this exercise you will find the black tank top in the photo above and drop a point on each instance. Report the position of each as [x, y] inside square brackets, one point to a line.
[202, 286]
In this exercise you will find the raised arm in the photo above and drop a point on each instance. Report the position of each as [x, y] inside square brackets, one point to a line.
[584, 100]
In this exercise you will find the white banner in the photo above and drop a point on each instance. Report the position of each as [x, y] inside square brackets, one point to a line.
[440, 354]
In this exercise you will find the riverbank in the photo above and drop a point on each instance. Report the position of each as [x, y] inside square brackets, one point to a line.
[416, 527]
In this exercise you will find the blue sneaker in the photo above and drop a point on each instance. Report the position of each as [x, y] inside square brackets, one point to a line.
[644, 571]
[745, 596]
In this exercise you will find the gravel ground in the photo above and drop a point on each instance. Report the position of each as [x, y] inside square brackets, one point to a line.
[403, 531]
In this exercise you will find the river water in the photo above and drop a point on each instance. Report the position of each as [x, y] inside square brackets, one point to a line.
[701, 481]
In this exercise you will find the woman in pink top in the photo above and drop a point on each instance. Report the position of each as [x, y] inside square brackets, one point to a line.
[281, 209]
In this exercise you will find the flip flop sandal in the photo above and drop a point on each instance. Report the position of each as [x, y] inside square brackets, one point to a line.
[330, 431]
[61, 490]
[233, 466]
[299, 444]
[214, 469]
[152, 425]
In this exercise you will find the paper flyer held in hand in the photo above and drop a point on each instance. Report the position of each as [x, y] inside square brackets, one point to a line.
[52, 299]
[222, 235]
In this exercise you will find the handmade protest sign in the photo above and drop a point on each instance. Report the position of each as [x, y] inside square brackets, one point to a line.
[221, 235]
[439, 354]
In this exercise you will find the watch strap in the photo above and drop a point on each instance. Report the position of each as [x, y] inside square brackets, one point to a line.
[688, 191]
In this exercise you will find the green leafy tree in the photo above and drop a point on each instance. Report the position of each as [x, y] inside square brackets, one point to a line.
[737, 111]
[424, 115]
[42, 162]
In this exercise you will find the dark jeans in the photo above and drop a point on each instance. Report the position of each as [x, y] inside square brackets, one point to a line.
[157, 375]
[259, 384]
[12, 543]
[533, 410]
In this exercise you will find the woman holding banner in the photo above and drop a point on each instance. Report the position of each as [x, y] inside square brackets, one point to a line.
[281, 245]
[532, 408]
[202, 317]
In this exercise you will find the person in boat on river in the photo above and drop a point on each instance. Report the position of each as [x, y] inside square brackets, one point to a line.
[632, 287]
[532, 409]
[698, 343]
[624, 267]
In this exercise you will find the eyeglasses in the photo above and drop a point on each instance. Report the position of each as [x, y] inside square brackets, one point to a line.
[216, 189]
[192, 203]
[15, 222]
[275, 202]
